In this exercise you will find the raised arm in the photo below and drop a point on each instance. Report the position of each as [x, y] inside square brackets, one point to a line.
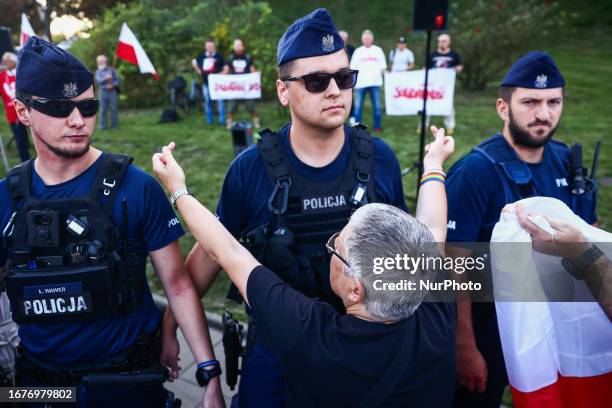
[212, 236]
[432, 208]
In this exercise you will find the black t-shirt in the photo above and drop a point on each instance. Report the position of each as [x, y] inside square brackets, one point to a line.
[210, 64]
[333, 360]
[449, 60]
[239, 64]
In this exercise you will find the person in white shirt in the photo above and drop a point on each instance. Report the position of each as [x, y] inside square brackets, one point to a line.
[401, 58]
[370, 60]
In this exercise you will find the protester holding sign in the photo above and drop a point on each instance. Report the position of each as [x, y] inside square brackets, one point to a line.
[369, 60]
[445, 57]
[209, 62]
[240, 63]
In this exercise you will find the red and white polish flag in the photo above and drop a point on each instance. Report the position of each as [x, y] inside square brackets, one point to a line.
[26, 30]
[130, 50]
[558, 354]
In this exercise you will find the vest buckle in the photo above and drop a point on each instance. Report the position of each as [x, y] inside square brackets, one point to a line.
[282, 185]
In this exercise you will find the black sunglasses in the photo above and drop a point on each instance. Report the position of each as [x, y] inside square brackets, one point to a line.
[62, 108]
[331, 248]
[319, 81]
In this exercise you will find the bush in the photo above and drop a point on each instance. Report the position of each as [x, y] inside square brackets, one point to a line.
[491, 35]
[172, 37]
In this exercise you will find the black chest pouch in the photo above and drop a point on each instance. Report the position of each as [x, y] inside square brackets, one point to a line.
[65, 262]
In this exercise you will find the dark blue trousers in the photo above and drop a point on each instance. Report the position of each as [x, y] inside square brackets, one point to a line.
[262, 382]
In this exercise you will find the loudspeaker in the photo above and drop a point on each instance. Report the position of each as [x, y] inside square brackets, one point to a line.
[430, 15]
[6, 40]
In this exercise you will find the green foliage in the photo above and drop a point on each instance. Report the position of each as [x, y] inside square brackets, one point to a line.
[172, 37]
[491, 35]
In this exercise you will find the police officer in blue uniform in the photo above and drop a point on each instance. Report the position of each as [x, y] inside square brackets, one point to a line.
[78, 225]
[521, 161]
[286, 196]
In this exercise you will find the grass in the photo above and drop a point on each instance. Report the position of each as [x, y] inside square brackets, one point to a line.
[205, 151]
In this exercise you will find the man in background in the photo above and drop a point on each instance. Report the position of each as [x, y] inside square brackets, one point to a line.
[370, 60]
[7, 90]
[401, 58]
[108, 83]
[350, 48]
[209, 62]
[240, 63]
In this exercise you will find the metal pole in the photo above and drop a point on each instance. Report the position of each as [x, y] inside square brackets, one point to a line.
[424, 113]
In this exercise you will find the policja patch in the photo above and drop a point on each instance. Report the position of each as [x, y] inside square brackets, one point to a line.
[320, 202]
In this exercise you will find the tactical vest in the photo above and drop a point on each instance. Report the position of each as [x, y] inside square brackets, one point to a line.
[516, 177]
[65, 262]
[306, 213]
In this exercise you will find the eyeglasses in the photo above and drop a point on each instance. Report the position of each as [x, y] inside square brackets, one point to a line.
[62, 108]
[319, 81]
[331, 248]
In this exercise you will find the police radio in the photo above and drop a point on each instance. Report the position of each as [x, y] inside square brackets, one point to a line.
[577, 170]
[232, 345]
[578, 173]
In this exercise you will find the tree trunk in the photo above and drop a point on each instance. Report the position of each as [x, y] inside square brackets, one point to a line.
[46, 20]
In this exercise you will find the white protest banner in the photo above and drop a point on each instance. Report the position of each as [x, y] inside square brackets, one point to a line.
[404, 92]
[240, 86]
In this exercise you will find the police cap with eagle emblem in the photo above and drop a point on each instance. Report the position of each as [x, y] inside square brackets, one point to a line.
[47, 71]
[536, 70]
[310, 36]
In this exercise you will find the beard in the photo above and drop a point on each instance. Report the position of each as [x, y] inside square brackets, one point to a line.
[522, 137]
[67, 154]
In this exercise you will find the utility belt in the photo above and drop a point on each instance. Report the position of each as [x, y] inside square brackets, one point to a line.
[138, 364]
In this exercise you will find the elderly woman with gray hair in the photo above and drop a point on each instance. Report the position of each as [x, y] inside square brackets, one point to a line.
[389, 348]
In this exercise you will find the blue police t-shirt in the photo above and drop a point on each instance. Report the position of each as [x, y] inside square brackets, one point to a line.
[333, 360]
[246, 189]
[152, 225]
[476, 195]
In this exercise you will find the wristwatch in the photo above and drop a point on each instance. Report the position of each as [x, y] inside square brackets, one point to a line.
[179, 193]
[207, 371]
[577, 266]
